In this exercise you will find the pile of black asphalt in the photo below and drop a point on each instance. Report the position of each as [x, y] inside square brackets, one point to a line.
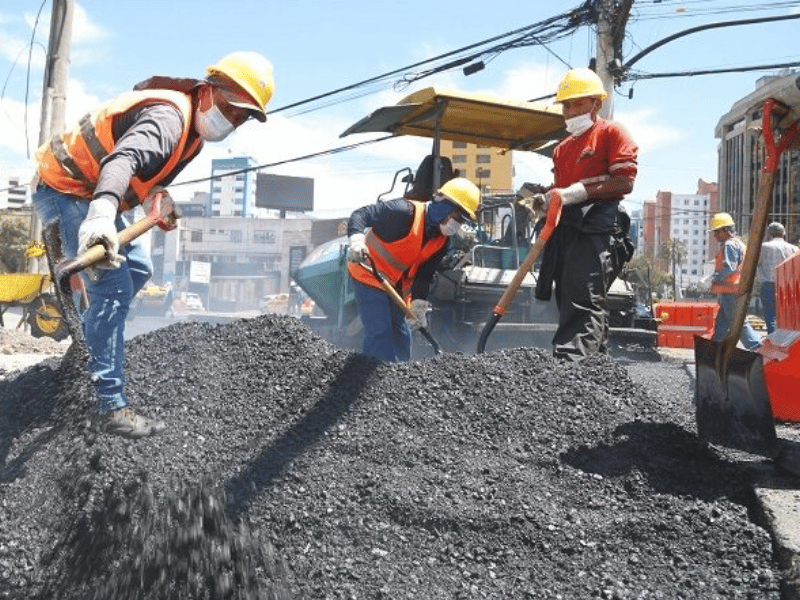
[292, 469]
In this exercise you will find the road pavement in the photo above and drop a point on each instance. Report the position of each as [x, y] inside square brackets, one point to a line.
[777, 491]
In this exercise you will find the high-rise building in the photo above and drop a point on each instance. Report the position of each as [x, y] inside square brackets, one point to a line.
[233, 193]
[742, 157]
[13, 191]
[491, 169]
[682, 217]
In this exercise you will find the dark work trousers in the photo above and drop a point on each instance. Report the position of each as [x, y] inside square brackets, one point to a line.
[583, 273]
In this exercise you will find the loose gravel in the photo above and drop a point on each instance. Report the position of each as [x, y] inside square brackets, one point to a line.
[292, 469]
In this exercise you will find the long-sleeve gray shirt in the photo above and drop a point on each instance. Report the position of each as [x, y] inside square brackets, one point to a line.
[146, 139]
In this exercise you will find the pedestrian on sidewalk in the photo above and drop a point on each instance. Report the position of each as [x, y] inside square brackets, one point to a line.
[774, 251]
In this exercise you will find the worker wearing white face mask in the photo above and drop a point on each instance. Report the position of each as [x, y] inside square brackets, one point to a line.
[406, 239]
[113, 160]
[595, 167]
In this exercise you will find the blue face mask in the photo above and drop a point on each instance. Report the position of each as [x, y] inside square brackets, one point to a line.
[438, 211]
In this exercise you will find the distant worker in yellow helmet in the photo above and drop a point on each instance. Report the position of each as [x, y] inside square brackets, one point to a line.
[595, 167]
[725, 280]
[114, 159]
[406, 238]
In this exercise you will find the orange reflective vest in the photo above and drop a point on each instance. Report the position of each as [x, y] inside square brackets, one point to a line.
[729, 285]
[400, 260]
[70, 162]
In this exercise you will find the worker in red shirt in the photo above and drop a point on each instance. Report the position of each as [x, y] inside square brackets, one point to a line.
[594, 167]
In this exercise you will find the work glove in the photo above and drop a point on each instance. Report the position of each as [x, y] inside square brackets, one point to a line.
[420, 308]
[357, 250]
[532, 198]
[466, 233]
[573, 194]
[98, 228]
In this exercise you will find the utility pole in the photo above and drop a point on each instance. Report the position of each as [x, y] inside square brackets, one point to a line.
[54, 89]
[612, 16]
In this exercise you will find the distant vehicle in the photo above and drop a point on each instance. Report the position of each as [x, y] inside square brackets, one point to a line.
[186, 303]
[275, 303]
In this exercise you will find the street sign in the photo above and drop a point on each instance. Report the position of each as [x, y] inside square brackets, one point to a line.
[200, 272]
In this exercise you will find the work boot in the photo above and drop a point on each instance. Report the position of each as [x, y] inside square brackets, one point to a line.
[126, 423]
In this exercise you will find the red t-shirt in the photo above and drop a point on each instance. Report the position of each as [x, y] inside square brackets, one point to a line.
[602, 152]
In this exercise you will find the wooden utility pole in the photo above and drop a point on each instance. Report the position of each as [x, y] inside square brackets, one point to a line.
[54, 89]
[612, 16]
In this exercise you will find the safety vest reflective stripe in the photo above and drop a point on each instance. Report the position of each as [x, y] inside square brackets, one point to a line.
[70, 163]
[375, 244]
[400, 260]
[729, 285]
[91, 140]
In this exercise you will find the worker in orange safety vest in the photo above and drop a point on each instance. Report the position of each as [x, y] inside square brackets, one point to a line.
[725, 280]
[112, 161]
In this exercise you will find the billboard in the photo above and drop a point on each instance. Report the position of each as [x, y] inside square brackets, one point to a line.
[282, 192]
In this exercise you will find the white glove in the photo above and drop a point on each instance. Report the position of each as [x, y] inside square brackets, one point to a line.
[535, 204]
[357, 250]
[420, 308]
[573, 194]
[466, 233]
[98, 228]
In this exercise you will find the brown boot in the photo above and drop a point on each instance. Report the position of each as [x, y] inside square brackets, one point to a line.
[126, 423]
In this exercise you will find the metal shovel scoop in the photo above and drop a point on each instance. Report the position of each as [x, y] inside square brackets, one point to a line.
[732, 403]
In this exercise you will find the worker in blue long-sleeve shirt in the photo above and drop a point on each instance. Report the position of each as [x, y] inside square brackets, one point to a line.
[725, 280]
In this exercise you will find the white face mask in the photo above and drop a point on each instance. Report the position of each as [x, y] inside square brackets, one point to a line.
[578, 125]
[212, 125]
[449, 227]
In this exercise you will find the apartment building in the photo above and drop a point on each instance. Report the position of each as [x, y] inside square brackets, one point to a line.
[491, 169]
[683, 217]
[232, 192]
[13, 190]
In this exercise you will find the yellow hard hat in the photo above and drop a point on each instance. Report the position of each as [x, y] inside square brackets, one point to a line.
[463, 193]
[580, 83]
[251, 72]
[720, 220]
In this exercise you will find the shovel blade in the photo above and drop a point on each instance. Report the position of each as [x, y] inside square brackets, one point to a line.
[732, 404]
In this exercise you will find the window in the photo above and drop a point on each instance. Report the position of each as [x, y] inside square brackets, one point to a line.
[459, 144]
[196, 236]
[236, 236]
[459, 158]
[264, 236]
[483, 159]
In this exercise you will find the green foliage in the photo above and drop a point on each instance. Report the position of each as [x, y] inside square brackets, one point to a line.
[647, 277]
[13, 242]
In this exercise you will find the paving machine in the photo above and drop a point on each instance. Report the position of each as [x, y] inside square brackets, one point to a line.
[480, 262]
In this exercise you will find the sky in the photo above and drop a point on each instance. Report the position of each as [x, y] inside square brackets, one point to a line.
[317, 47]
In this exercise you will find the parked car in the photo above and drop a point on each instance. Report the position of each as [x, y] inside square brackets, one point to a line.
[186, 303]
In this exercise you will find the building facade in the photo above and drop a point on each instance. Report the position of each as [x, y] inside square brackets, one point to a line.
[233, 193]
[742, 156]
[13, 191]
[491, 169]
[682, 217]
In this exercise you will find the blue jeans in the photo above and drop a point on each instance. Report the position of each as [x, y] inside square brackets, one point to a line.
[386, 334]
[727, 305]
[768, 305]
[109, 297]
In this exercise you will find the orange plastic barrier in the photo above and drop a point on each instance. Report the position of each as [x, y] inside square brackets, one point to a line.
[781, 351]
[679, 322]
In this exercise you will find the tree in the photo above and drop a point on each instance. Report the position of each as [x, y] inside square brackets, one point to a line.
[674, 252]
[13, 242]
[647, 278]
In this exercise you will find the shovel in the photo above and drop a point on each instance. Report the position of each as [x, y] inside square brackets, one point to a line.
[162, 212]
[392, 293]
[732, 403]
[553, 216]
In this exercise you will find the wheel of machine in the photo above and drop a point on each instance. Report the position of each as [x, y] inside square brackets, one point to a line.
[46, 319]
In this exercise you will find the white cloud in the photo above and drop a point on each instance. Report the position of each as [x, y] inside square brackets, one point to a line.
[649, 131]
